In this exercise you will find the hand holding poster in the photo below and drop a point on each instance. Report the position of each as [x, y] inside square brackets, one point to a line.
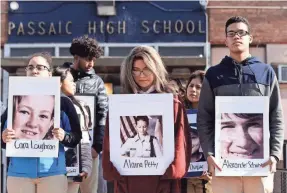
[242, 135]
[33, 113]
[198, 163]
[142, 133]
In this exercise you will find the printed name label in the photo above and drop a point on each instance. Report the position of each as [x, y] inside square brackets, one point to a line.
[240, 165]
[197, 166]
[140, 164]
[33, 148]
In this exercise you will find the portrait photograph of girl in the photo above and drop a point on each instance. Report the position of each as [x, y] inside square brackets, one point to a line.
[141, 136]
[33, 116]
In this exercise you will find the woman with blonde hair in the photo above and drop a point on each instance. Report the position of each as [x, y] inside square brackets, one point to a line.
[144, 72]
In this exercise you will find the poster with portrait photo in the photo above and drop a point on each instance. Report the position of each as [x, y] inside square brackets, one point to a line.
[141, 136]
[33, 112]
[242, 135]
[88, 101]
[73, 161]
[198, 162]
[141, 128]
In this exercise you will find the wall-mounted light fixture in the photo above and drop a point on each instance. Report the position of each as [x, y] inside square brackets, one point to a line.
[14, 5]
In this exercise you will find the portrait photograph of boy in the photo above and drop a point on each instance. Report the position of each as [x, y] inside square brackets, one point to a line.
[241, 136]
[196, 151]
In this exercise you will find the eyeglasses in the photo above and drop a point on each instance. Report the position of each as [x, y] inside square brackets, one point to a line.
[240, 33]
[146, 72]
[38, 67]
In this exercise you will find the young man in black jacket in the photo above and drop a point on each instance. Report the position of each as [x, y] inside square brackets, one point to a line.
[85, 51]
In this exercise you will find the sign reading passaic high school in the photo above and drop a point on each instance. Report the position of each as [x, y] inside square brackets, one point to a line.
[133, 22]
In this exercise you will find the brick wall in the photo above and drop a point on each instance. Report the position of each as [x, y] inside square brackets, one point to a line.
[4, 23]
[268, 24]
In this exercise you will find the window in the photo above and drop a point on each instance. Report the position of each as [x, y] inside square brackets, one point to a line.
[64, 52]
[119, 51]
[181, 51]
[23, 52]
[110, 50]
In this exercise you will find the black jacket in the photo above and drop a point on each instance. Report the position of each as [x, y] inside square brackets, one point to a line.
[90, 82]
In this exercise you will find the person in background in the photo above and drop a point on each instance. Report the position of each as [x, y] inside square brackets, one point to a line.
[179, 88]
[85, 51]
[45, 175]
[68, 89]
[240, 74]
[143, 72]
[200, 184]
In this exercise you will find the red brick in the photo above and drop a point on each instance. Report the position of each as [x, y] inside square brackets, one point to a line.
[4, 21]
[268, 25]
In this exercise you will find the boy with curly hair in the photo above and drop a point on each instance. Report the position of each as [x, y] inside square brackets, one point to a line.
[85, 51]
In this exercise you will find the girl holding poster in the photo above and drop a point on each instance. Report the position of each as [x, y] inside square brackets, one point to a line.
[196, 180]
[39, 174]
[68, 88]
[143, 72]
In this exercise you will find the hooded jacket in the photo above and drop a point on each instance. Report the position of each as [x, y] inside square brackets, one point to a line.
[248, 78]
[90, 82]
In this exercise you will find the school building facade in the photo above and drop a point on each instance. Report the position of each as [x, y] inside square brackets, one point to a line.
[176, 30]
[188, 35]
